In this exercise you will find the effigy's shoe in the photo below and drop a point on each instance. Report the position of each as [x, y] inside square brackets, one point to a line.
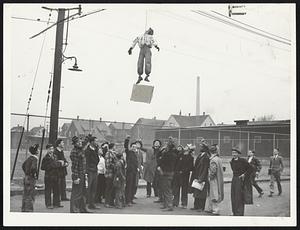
[139, 80]
[147, 78]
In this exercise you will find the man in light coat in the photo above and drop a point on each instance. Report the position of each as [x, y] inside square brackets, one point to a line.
[216, 181]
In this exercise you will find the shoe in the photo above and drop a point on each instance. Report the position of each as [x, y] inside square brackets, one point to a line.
[85, 211]
[108, 206]
[49, 207]
[133, 202]
[117, 207]
[58, 206]
[208, 211]
[175, 205]
[215, 213]
[270, 195]
[146, 78]
[134, 197]
[163, 207]
[129, 204]
[168, 209]
[194, 209]
[92, 207]
[184, 207]
[261, 194]
[139, 80]
[157, 201]
[65, 199]
[200, 210]
[148, 196]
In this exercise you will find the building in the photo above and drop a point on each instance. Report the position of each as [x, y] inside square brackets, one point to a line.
[261, 136]
[119, 131]
[98, 129]
[180, 121]
[15, 135]
[64, 129]
[144, 129]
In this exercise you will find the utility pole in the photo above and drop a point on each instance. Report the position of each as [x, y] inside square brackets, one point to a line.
[56, 77]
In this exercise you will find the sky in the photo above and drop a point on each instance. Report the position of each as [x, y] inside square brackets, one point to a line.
[242, 75]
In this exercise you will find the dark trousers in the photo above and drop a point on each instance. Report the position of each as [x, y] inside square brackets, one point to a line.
[149, 188]
[28, 194]
[180, 183]
[199, 203]
[157, 185]
[109, 191]
[62, 188]
[166, 183]
[275, 176]
[78, 197]
[144, 56]
[130, 186]
[51, 186]
[237, 199]
[92, 186]
[100, 191]
[255, 185]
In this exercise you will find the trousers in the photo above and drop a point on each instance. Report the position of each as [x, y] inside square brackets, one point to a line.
[180, 183]
[28, 194]
[144, 58]
[166, 183]
[100, 191]
[254, 184]
[92, 186]
[275, 176]
[130, 186]
[62, 187]
[51, 186]
[78, 197]
[109, 191]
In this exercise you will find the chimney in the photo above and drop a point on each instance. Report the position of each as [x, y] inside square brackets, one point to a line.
[198, 97]
[100, 119]
[180, 113]
[203, 113]
[241, 122]
[253, 119]
[77, 117]
[154, 118]
[189, 114]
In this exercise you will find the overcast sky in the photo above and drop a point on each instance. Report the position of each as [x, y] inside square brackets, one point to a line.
[243, 75]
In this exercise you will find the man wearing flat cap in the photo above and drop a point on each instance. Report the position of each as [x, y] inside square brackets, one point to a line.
[30, 168]
[78, 168]
[241, 187]
[92, 160]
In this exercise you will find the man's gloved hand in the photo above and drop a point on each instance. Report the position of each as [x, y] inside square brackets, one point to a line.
[130, 51]
[157, 48]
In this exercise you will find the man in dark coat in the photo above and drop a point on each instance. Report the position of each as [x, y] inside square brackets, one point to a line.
[78, 168]
[131, 170]
[30, 168]
[92, 160]
[157, 176]
[241, 187]
[62, 172]
[183, 167]
[200, 174]
[51, 166]
[256, 165]
[166, 168]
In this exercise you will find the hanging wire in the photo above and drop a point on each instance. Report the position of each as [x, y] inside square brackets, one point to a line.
[146, 20]
[67, 32]
[35, 75]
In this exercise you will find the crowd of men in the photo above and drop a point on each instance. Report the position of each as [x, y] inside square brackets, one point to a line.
[101, 174]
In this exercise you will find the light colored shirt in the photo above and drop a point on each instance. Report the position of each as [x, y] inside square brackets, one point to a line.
[145, 39]
[101, 165]
[250, 159]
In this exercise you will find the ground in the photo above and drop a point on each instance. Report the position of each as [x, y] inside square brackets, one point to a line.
[265, 206]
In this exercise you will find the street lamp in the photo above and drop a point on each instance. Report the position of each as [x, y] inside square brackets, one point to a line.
[75, 66]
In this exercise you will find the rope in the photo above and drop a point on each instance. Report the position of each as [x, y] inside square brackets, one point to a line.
[35, 75]
[146, 20]
[67, 32]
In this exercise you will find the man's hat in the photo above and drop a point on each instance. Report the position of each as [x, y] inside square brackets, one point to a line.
[75, 139]
[34, 149]
[236, 149]
[91, 138]
[150, 31]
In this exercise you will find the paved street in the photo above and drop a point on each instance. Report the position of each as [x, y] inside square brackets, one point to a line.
[266, 206]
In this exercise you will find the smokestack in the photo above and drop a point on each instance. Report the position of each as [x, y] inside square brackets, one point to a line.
[198, 97]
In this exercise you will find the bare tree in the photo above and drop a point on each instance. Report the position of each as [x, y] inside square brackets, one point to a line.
[269, 117]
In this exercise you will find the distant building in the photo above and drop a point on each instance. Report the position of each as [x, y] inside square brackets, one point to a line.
[64, 129]
[119, 131]
[145, 129]
[261, 136]
[15, 135]
[180, 121]
[98, 129]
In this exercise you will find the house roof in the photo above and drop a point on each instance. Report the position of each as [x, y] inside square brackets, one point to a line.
[65, 126]
[35, 130]
[150, 122]
[190, 121]
[16, 129]
[100, 128]
[119, 125]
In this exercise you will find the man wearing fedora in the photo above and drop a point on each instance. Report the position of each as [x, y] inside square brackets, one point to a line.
[275, 170]
[145, 43]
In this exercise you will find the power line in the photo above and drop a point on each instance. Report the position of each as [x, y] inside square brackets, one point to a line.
[31, 19]
[251, 26]
[237, 26]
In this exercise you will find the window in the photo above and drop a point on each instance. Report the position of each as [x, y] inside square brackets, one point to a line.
[257, 139]
[227, 139]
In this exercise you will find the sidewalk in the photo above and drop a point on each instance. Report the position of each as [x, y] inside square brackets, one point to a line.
[16, 189]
